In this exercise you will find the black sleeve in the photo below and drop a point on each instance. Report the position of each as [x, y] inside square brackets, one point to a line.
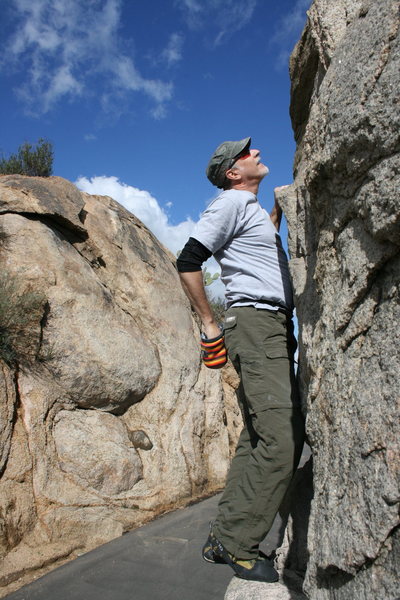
[192, 256]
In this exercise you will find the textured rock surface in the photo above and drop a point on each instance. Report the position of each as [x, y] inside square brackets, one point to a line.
[239, 589]
[109, 419]
[7, 407]
[343, 213]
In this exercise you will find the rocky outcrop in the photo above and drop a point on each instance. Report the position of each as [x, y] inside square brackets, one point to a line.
[240, 589]
[344, 228]
[107, 418]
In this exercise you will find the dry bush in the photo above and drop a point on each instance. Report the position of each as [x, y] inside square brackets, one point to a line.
[21, 311]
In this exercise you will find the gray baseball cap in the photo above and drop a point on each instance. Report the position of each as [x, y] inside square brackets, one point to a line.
[223, 158]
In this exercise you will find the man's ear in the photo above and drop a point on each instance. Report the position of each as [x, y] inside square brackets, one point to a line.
[233, 174]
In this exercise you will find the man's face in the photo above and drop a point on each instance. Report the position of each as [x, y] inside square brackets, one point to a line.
[250, 166]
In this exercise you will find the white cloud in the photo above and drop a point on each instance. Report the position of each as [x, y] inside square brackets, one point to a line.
[193, 10]
[159, 112]
[172, 54]
[288, 30]
[62, 83]
[191, 5]
[66, 47]
[226, 17]
[232, 17]
[144, 206]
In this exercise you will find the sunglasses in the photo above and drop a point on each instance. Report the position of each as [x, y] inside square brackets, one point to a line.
[240, 157]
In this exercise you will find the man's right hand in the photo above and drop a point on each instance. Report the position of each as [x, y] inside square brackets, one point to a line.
[211, 330]
[213, 351]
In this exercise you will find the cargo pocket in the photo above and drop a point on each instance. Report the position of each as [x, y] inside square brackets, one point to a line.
[281, 346]
[255, 380]
[280, 370]
[281, 351]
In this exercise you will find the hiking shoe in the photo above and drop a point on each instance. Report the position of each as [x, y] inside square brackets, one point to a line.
[256, 569]
[208, 552]
[210, 556]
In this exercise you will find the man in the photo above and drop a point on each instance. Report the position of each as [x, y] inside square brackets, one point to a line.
[258, 333]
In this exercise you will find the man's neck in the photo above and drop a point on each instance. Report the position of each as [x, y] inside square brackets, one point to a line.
[247, 187]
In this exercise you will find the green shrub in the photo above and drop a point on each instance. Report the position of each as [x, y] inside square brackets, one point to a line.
[20, 314]
[209, 279]
[29, 160]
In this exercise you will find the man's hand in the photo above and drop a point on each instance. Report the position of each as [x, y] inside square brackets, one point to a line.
[211, 331]
[276, 215]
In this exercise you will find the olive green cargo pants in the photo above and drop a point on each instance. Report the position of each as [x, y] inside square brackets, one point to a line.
[261, 346]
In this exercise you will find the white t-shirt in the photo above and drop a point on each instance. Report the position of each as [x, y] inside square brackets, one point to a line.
[248, 248]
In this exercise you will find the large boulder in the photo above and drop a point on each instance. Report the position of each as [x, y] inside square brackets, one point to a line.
[108, 417]
[344, 228]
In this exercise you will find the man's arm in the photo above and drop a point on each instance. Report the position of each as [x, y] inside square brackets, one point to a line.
[276, 215]
[193, 286]
[189, 265]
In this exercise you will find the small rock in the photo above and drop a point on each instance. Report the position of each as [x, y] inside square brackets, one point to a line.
[140, 439]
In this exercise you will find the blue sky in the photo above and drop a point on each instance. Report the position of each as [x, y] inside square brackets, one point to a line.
[135, 96]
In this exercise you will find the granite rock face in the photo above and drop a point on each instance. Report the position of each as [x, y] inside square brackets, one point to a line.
[240, 589]
[343, 212]
[108, 418]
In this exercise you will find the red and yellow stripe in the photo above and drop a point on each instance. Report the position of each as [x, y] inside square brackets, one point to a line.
[213, 352]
